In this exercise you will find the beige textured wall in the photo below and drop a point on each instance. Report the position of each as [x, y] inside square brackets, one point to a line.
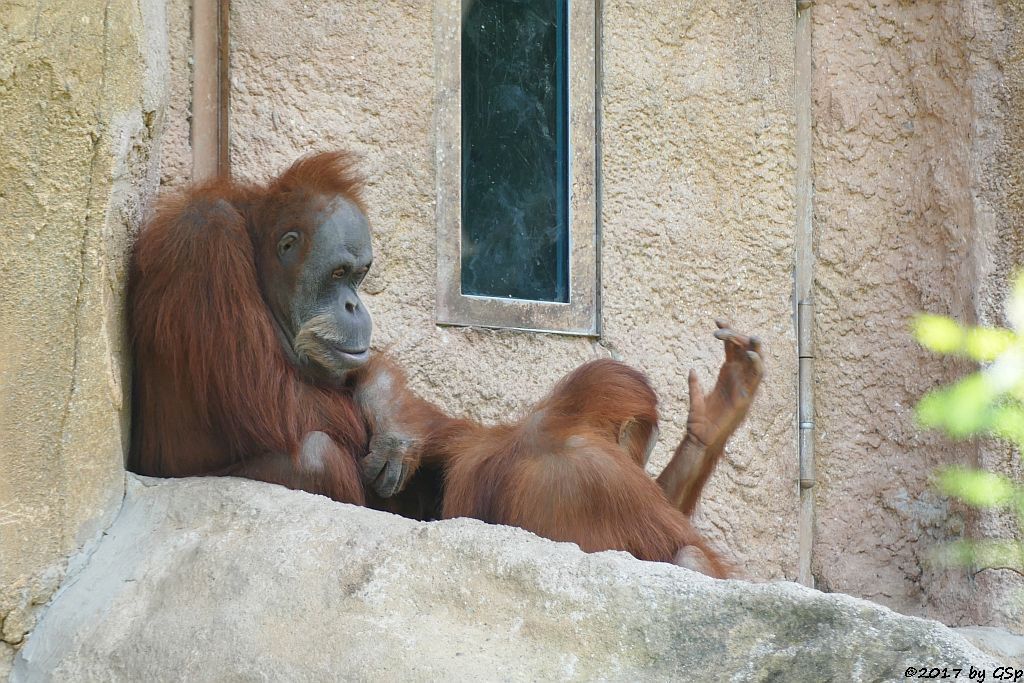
[917, 150]
[697, 218]
[997, 88]
[697, 223]
[81, 102]
[175, 138]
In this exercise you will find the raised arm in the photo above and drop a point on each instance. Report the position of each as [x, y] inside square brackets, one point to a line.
[713, 418]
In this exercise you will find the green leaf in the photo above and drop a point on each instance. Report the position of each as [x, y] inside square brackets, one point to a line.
[990, 401]
[931, 410]
[999, 553]
[985, 553]
[957, 553]
[963, 409]
[987, 344]
[938, 333]
[977, 487]
[1008, 423]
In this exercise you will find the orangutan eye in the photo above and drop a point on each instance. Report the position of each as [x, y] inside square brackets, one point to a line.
[287, 241]
[340, 273]
[361, 274]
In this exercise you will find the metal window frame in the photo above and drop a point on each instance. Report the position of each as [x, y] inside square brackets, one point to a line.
[580, 316]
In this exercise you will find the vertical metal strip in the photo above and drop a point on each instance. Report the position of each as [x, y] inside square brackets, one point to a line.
[210, 87]
[598, 158]
[224, 88]
[805, 412]
[804, 276]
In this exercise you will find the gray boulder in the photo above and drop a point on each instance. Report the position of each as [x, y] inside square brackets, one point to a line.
[232, 580]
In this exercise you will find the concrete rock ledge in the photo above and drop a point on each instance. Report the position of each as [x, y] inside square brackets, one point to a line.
[225, 579]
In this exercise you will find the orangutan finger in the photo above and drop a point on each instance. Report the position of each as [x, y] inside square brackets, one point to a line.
[696, 392]
[372, 465]
[756, 362]
[388, 483]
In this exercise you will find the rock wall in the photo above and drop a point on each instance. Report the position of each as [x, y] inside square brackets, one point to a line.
[176, 140]
[81, 105]
[240, 580]
[917, 149]
[697, 183]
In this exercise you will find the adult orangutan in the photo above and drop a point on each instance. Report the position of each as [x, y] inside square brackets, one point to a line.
[252, 359]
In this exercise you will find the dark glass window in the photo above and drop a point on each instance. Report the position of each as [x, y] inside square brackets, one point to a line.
[515, 213]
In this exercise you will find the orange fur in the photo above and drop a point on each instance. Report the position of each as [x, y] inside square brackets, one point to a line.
[562, 474]
[215, 393]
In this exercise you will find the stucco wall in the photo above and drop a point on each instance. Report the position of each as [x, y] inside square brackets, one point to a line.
[81, 101]
[997, 89]
[917, 207]
[697, 216]
[697, 178]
